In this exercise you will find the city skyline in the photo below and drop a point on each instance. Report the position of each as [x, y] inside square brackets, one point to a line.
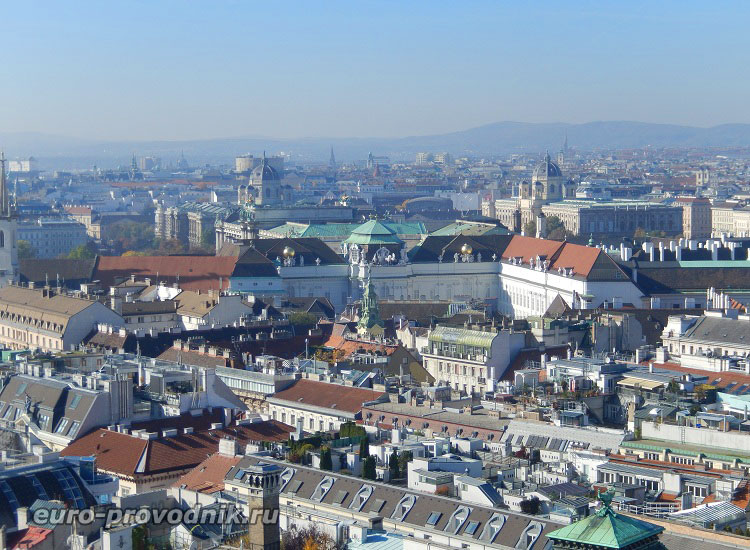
[174, 71]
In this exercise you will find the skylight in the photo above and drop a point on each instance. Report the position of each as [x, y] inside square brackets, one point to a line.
[433, 518]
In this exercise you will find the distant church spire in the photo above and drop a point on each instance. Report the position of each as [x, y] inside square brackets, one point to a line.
[4, 206]
[332, 160]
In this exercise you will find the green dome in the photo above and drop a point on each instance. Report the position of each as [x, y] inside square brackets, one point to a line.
[373, 232]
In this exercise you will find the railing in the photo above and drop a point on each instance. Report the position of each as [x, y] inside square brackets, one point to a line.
[652, 509]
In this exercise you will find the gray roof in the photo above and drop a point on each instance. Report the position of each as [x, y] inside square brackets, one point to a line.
[721, 330]
[546, 436]
[385, 501]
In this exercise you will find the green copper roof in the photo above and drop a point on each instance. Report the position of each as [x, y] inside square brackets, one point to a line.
[373, 232]
[342, 230]
[461, 228]
[607, 529]
[462, 336]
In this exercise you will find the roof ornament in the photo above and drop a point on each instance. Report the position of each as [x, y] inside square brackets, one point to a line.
[606, 498]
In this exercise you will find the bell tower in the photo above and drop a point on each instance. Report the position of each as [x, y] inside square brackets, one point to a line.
[264, 483]
[8, 223]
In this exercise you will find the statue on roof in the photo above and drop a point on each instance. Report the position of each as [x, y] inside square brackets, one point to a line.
[369, 312]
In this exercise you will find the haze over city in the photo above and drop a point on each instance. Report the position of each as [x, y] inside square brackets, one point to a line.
[173, 70]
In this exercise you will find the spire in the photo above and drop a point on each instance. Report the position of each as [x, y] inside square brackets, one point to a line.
[4, 210]
[332, 160]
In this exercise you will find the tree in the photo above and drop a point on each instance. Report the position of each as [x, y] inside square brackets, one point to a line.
[529, 228]
[302, 318]
[368, 468]
[393, 465]
[350, 429]
[364, 448]
[170, 247]
[25, 250]
[129, 253]
[131, 235]
[326, 463]
[208, 238]
[530, 506]
[556, 229]
[673, 386]
[403, 461]
[83, 252]
[700, 393]
[309, 538]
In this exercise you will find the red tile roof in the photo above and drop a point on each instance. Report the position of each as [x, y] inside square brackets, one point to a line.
[560, 254]
[26, 538]
[328, 396]
[78, 210]
[121, 453]
[529, 247]
[194, 272]
[208, 476]
[580, 258]
[721, 379]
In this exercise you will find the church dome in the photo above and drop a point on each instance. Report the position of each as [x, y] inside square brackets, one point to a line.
[546, 169]
[264, 171]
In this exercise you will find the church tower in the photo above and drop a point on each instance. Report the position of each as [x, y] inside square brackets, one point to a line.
[8, 223]
[267, 183]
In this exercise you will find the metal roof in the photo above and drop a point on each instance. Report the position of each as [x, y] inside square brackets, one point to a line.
[462, 336]
[607, 529]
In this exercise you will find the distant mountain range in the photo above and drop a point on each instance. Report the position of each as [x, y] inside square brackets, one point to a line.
[491, 139]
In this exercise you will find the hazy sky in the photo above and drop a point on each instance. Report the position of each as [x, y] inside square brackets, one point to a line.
[195, 69]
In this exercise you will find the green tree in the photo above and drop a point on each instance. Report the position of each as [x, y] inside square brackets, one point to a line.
[700, 393]
[529, 228]
[302, 318]
[350, 429]
[393, 465]
[326, 463]
[208, 238]
[368, 468]
[403, 460]
[83, 252]
[170, 247]
[530, 506]
[364, 448]
[556, 229]
[131, 235]
[25, 250]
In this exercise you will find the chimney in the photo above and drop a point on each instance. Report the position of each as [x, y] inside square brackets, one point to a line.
[22, 518]
[116, 304]
[228, 447]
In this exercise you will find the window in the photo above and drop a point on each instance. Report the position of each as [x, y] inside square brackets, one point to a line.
[74, 429]
[74, 403]
[61, 426]
[433, 519]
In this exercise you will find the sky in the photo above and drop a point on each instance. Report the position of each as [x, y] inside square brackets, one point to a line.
[176, 70]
